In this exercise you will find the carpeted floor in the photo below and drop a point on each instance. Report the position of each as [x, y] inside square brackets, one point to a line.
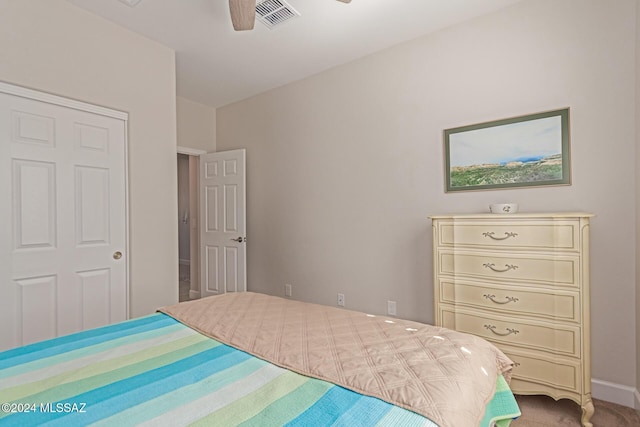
[183, 294]
[184, 283]
[543, 411]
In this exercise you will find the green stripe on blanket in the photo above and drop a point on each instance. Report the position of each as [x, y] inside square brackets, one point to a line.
[503, 407]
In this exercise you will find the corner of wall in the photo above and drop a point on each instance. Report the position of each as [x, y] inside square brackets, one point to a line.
[637, 195]
[196, 125]
[615, 393]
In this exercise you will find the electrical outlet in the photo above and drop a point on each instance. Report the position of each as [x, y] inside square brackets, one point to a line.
[287, 290]
[341, 300]
[391, 308]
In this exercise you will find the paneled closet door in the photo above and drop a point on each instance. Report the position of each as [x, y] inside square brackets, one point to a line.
[223, 222]
[63, 213]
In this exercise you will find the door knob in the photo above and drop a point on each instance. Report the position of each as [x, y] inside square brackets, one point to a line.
[240, 239]
[117, 255]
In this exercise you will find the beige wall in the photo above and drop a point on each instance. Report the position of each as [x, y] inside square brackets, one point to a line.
[53, 46]
[637, 198]
[196, 125]
[344, 167]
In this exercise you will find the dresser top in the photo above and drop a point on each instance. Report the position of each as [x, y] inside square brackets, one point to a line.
[515, 215]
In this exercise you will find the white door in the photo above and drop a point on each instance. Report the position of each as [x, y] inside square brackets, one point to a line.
[223, 223]
[63, 215]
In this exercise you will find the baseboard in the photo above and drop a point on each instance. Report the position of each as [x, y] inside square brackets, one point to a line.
[615, 393]
[194, 294]
[185, 262]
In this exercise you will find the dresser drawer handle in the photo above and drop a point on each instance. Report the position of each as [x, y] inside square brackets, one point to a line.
[507, 234]
[491, 266]
[502, 334]
[508, 299]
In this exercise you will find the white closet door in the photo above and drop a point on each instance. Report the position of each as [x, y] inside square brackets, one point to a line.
[63, 215]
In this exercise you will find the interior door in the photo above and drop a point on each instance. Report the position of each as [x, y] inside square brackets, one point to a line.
[223, 251]
[63, 220]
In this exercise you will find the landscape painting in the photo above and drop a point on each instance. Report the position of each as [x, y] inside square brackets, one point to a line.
[530, 150]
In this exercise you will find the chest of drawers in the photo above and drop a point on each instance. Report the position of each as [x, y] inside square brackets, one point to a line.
[521, 281]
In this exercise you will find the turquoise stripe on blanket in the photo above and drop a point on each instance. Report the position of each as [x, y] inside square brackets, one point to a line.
[327, 409]
[110, 400]
[146, 371]
[67, 343]
[366, 411]
[169, 401]
[132, 336]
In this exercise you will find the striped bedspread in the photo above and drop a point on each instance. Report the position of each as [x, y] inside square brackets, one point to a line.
[155, 371]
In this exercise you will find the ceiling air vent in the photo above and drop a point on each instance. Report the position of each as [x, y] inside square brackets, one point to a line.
[274, 12]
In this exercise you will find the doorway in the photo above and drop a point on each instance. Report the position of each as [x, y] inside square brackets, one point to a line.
[184, 217]
[188, 234]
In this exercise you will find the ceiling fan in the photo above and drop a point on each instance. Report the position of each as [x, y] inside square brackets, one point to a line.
[243, 13]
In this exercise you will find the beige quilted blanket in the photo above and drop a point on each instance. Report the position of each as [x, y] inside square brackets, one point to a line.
[447, 376]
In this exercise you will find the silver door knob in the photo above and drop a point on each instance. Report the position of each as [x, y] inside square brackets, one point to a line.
[117, 255]
[240, 239]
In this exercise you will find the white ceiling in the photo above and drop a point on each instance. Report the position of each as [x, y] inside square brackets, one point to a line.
[217, 65]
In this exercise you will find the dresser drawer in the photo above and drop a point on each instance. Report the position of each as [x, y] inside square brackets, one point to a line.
[549, 269]
[533, 369]
[548, 337]
[513, 300]
[561, 235]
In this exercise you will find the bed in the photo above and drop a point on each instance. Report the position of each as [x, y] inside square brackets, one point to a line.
[256, 360]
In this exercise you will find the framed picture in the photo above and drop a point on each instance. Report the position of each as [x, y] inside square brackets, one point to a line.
[523, 151]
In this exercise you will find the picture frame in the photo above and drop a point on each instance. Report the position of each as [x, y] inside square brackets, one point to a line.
[524, 151]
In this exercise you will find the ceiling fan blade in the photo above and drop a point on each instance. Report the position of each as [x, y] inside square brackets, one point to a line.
[243, 14]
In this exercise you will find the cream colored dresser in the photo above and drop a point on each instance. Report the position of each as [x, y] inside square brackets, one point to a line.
[522, 282]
